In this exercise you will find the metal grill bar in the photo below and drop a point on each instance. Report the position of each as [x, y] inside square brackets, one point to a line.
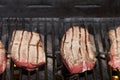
[29, 76]
[45, 46]
[97, 49]
[53, 51]
[94, 75]
[37, 74]
[104, 33]
[47, 27]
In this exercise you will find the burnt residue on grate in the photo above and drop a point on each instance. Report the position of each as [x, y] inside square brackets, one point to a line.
[52, 30]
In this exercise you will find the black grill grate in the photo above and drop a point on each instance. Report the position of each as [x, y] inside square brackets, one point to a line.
[52, 30]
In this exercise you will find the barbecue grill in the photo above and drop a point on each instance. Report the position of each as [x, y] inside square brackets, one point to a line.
[52, 18]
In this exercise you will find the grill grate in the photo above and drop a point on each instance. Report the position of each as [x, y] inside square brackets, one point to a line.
[52, 30]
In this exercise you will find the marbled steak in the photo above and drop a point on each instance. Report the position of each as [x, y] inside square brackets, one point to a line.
[2, 58]
[114, 36]
[26, 49]
[77, 51]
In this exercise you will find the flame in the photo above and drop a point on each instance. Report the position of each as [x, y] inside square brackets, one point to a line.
[14, 65]
[115, 78]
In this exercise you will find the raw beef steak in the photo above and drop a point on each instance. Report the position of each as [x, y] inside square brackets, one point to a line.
[26, 49]
[77, 51]
[114, 36]
[2, 58]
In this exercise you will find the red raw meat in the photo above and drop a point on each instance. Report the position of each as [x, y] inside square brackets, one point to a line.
[2, 58]
[26, 50]
[114, 35]
[77, 51]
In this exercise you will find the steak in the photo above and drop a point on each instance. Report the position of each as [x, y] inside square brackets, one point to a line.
[114, 36]
[26, 49]
[77, 51]
[2, 58]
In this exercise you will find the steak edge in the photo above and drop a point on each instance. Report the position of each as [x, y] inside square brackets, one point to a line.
[2, 58]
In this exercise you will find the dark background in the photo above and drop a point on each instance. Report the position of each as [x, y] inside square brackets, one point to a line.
[59, 8]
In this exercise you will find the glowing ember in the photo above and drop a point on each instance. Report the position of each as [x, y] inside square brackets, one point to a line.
[115, 77]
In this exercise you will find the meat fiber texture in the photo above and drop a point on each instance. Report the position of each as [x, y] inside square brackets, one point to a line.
[77, 51]
[26, 49]
[114, 36]
[2, 58]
